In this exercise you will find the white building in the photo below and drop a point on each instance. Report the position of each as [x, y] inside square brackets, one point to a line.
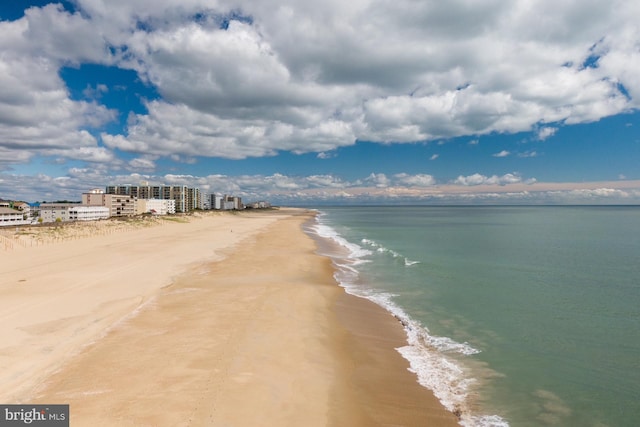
[88, 213]
[64, 212]
[205, 201]
[10, 216]
[260, 205]
[24, 208]
[156, 206]
[225, 202]
[215, 201]
[234, 201]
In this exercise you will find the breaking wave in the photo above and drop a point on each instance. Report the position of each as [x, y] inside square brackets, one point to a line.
[432, 358]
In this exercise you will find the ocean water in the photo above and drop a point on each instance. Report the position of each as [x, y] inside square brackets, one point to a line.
[519, 316]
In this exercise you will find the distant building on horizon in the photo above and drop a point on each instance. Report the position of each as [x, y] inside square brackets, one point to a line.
[215, 201]
[259, 205]
[225, 202]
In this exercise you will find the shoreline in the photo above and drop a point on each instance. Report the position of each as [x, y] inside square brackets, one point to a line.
[266, 327]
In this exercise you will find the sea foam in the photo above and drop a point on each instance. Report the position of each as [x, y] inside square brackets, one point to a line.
[381, 249]
[327, 232]
[429, 356]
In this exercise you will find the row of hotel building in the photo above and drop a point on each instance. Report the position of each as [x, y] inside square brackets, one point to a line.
[121, 201]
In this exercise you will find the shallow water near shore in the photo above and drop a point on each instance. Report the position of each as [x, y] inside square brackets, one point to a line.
[521, 316]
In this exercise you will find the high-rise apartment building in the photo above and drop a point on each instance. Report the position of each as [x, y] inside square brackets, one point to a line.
[186, 199]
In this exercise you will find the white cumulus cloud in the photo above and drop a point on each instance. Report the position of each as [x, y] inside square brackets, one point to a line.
[479, 179]
[237, 79]
[240, 79]
[419, 180]
[546, 132]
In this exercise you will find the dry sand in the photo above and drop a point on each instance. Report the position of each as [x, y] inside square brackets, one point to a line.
[224, 321]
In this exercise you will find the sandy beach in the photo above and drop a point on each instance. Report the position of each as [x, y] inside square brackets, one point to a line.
[221, 320]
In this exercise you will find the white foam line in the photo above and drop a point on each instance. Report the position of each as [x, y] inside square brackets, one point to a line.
[426, 353]
[381, 249]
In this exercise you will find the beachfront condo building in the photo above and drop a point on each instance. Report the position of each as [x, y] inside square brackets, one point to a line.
[9, 216]
[186, 199]
[155, 206]
[55, 212]
[23, 207]
[118, 205]
[88, 213]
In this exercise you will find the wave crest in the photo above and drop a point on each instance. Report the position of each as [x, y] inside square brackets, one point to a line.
[381, 249]
[428, 355]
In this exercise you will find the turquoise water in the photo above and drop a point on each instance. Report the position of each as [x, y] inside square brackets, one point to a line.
[521, 316]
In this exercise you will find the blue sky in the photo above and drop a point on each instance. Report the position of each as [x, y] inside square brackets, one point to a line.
[373, 101]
